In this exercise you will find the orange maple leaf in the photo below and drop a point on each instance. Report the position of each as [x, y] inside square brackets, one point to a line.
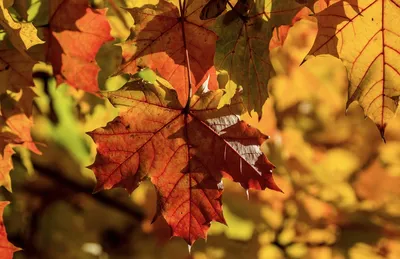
[6, 248]
[15, 130]
[18, 125]
[185, 152]
[74, 36]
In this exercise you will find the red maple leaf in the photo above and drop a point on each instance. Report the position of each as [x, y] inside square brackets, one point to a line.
[184, 151]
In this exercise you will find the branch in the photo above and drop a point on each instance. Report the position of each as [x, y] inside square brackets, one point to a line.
[77, 187]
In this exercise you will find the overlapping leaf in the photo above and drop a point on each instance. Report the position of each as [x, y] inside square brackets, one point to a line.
[23, 35]
[74, 36]
[15, 130]
[6, 248]
[290, 44]
[364, 34]
[242, 48]
[185, 153]
[164, 35]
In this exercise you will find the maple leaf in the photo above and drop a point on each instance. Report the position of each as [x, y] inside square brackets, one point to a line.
[165, 35]
[242, 48]
[6, 248]
[15, 125]
[370, 55]
[74, 36]
[21, 34]
[185, 152]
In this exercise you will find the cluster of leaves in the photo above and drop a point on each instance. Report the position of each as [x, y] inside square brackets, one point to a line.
[202, 114]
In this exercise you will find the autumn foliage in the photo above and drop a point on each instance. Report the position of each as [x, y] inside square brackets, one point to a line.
[181, 95]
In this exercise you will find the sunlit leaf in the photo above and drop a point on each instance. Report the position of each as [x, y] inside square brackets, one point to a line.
[6, 248]
[22, 35]
[242, 48]
[74, 35]
[164, 35]
[370, 55]
[184, 152]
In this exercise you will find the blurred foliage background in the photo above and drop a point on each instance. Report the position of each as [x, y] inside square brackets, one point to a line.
[340, 181]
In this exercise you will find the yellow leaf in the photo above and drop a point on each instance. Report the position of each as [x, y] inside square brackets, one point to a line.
[21, 34]
[364, 34]
[297, 250]
[390, 156]
[290, 53]
[239, 228]
[270, 252]
[309, 86]
[329, 171]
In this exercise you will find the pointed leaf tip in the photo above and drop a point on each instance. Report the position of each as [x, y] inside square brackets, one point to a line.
[7, 249]
[373, 86]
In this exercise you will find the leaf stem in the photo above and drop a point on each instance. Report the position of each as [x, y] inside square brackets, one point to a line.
[182, 20]
[186, 110]
[82, 188]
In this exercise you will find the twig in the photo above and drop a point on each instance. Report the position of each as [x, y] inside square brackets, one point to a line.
[77, 187]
